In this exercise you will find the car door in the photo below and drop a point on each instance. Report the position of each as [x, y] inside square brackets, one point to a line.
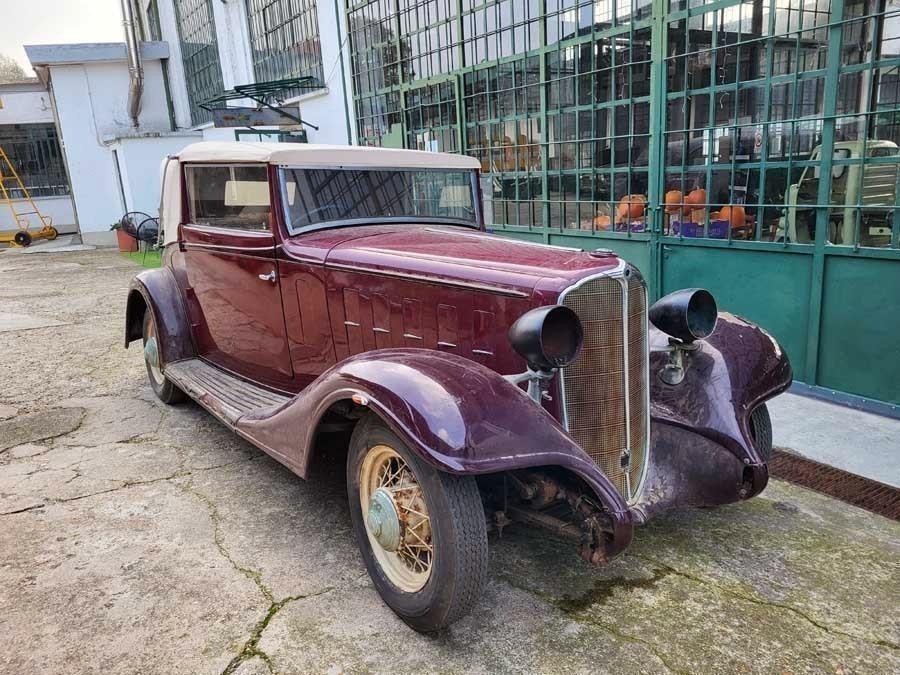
[232, 273]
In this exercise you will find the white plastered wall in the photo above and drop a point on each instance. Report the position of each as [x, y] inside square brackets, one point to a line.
[91, 103]
[325, 108]
[139, 160]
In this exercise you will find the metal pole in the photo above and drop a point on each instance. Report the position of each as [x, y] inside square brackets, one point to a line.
[823, 210]
[135, 70]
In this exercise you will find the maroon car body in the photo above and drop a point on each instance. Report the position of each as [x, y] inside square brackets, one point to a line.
[410, 320]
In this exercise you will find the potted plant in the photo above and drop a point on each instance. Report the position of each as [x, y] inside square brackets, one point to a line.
[127, 243]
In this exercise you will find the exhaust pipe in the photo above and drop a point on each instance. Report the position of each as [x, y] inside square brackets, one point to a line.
[135, 70]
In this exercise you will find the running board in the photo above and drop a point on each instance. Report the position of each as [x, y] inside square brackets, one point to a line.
[226, 396]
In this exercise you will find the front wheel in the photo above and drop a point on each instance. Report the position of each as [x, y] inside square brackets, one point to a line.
[761, 430]
[421, 532]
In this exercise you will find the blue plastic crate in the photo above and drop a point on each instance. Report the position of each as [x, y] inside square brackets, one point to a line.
[718, 229]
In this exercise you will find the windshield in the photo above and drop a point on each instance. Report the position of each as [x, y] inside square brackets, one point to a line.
[331, 197]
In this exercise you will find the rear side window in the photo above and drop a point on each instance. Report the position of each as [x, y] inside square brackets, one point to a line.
[229, 196]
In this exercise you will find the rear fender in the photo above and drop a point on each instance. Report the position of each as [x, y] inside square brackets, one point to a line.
[157, 290]
[457, 415]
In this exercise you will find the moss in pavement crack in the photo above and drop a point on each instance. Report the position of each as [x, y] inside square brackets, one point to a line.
[605, 588]
[770, 603]
[251, 647]
[254, 575]
[577, 612]
[592, 621]
[181, 473]
[25, 509]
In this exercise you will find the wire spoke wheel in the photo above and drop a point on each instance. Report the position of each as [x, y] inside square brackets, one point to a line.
[397, 519]
[421, 531]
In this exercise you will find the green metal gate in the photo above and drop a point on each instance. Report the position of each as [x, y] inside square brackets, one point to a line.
[747, 147]
[831, 293]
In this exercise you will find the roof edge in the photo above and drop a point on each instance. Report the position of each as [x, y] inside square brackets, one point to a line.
[307, 154]
[86, 52]
[32, 84]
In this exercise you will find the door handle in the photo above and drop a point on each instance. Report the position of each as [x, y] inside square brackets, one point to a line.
[271, 276]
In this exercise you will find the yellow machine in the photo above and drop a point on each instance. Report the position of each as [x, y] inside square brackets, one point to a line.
[23, 236]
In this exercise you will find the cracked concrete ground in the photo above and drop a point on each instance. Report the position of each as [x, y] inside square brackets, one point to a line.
[140, 538]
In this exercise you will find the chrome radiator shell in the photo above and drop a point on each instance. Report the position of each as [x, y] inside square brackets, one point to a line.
[605, 392]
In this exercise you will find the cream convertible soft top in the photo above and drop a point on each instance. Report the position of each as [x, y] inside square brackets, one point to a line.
[291, 154]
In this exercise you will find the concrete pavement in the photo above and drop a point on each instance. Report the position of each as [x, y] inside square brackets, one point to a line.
[855, 441]
[136, 537]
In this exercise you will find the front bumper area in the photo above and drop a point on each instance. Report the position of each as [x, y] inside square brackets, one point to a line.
[689, 469]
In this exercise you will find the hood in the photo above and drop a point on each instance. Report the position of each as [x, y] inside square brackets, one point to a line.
[458, 255]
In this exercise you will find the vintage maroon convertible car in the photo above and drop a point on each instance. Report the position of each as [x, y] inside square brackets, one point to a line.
[309, 290]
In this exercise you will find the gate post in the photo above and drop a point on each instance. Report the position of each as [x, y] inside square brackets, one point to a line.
[823, 198]
[656, 171]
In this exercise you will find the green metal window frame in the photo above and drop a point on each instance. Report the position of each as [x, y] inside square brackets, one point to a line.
[284, 39]
[431, 117]
[791, 88]
[382, 77]
[36, 156]
[199, 54]
[593, 101]
[154, 29]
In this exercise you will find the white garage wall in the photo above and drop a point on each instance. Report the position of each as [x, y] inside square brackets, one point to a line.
[92, 171]
[139, 164]
[91, 99]
[324, 108]
[328, 111]
[25, 104]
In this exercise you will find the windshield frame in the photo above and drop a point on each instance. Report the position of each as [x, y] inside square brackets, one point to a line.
[474, 185]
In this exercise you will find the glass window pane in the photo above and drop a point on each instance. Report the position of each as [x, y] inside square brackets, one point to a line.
[229, 196]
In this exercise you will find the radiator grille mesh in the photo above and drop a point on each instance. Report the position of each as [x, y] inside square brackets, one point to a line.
[594, 386]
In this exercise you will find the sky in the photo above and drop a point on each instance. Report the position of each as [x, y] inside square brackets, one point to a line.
[30, 22]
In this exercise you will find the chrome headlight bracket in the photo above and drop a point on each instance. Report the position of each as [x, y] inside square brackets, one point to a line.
[538, 383]
[673, 372]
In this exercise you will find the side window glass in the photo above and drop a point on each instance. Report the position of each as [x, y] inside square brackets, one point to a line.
[229, 196]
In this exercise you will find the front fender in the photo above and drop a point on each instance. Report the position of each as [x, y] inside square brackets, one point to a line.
[735, 369]
[458, 415]
[157, 290]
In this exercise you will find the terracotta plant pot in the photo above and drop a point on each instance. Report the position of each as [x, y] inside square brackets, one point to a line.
[127, 244]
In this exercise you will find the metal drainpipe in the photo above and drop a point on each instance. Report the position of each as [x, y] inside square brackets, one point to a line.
[135, 70]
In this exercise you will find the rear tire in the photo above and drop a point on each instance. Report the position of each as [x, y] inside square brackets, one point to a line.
[761, 430]
[22, 238]
[163, 387]
[379, 462]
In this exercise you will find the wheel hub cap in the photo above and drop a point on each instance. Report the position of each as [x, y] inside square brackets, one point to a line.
[383, 520]
[151, 353]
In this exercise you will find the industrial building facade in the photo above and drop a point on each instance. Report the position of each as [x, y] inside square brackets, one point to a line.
[750, 147]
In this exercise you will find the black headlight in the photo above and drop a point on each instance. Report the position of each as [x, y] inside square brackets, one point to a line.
[547, 337]
[689, 314]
